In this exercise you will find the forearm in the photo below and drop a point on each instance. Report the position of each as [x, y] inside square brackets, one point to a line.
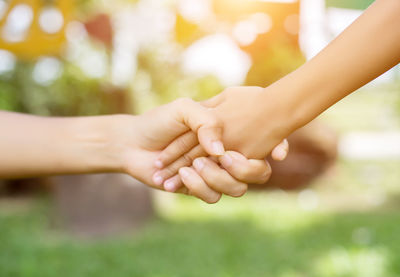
[36, 146]
[367, 49]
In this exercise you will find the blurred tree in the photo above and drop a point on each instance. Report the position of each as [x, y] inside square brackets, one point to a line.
[32, 28]
[69, 95]
[266, 30]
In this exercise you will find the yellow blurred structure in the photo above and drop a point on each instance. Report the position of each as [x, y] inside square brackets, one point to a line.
[32, 28]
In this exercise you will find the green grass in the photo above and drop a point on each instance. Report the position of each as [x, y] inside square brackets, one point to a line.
[192, 239]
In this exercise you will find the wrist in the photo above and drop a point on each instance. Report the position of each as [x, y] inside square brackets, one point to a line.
[100, 142]
[279, 111]
[294, 100]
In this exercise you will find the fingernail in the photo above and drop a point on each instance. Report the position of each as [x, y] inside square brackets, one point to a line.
[227, 159]
[184, 172]
[199, 164]
[158, 179]
[159, 164]
[170, 186]
[280, 154]
[218, 148]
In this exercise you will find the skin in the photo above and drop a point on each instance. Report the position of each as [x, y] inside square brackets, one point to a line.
[256, 119]
[37, 146]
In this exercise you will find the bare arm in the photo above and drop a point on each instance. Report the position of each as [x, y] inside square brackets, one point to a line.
[35, 146]
[364, 51]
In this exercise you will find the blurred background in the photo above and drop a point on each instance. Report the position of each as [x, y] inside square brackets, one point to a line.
[331, 209]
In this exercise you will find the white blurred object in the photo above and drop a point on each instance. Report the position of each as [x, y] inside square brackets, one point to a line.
[47, 70]
[51, 20]
[313, 35]
[308, 200]
[320, 25]
[340, 19]
[137, 26]
[76, 32]
[263, 22]
[195, 10]
[94, 63]
[218, 55]
[7, 61]
[368, 145]
[246, 31]
[18, 23]
[3, 8]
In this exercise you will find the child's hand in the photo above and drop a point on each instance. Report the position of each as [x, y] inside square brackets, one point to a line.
[140, 140]
[246, 130]
[186, 150]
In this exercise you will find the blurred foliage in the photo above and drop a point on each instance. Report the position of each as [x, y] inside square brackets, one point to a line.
[37, 42]
[349, 4]
[71, 94]
[269, 66]
[160, 79]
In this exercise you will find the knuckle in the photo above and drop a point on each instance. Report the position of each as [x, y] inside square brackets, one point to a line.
[169, 172]
[215, 121]
[167, 155]
[187, 159]
[183, 143]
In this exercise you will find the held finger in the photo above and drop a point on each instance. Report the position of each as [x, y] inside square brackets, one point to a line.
[197, 187]
[204, 122]
[173, 184]
[281, 151]
[176, 149]
[218, 179]
[186, 160]
[244, 170]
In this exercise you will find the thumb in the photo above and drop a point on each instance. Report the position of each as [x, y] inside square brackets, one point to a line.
[204, 122]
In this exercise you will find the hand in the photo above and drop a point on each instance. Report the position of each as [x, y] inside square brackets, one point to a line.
[231, 179]
[255, 121]
[139, 139]
[140, 145]
[237, 108]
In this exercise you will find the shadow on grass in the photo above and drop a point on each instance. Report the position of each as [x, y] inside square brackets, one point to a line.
[210, 248]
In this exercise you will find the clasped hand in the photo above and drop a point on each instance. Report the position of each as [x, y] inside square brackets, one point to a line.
[179, 147]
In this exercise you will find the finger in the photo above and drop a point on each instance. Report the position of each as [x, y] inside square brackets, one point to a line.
[176, 149]
[173, 184]
[281, 151]
[218, 179]
[205, 123]
[197, 187]
[244, 170]
[185, 160]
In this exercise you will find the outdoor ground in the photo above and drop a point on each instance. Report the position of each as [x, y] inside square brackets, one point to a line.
[345, 224]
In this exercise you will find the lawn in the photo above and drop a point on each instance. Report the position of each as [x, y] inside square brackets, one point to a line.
[192, 239]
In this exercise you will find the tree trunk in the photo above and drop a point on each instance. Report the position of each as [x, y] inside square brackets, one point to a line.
[101, 204]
